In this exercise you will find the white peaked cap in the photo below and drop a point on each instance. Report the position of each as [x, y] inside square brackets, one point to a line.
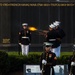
[56, 24]
[52, 26]
[48, 44]
[24, 24]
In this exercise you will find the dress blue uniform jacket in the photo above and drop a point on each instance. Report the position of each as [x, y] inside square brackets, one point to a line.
[51, 59]
[25, 37]
[52, 38]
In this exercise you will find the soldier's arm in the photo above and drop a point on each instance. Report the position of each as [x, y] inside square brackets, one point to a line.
[41, 61]
[54, 60]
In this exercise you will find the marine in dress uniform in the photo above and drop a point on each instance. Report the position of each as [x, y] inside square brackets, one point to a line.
[48, 60]
[25, 39]
[59, 30]
[61, 35]
[71, 64]
[52, 37]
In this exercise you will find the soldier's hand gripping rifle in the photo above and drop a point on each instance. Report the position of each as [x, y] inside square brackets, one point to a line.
[43, 69]
[44, 62]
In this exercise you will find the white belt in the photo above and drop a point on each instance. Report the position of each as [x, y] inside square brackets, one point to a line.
[52, 39]
[25, 37]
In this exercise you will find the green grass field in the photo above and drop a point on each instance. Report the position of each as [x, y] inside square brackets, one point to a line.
[16, 53]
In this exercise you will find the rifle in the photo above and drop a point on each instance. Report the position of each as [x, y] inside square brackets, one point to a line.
[41, 32]
[43, 66]
[43, 69]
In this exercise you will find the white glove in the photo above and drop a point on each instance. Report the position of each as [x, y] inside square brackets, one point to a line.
[72, 63]
[44, 62]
